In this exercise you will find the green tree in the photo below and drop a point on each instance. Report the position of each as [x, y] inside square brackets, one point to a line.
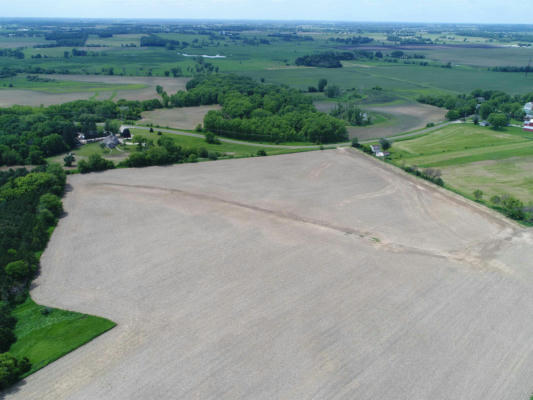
[18, 270]
[385, 144]
[52, 203]
[322, 83]
[69, 159]
[498, 120]
[333, 91]
[12, 369]
[478, 194]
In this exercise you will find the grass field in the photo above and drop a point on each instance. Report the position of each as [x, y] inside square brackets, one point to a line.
[44, 338]
[473, 157]
[232, 149]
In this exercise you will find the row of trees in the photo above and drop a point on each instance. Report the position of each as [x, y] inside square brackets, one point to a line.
[327, 59]
[508, 205]
[482, 102]
[29, 205]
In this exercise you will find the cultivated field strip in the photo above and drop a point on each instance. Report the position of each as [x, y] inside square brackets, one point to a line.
[312, 275]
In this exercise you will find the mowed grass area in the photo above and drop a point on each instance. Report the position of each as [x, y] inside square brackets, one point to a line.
[86, 150]
[473, 157]
[44, 337]
[232, 149]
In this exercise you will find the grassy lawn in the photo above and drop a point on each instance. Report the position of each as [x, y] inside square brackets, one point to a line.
[45, 338]
[472, 157]
[236, 150]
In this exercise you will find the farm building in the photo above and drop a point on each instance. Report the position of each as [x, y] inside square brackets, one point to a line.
[375, 148]
[111, 141]
[125, 132]
[528, 126]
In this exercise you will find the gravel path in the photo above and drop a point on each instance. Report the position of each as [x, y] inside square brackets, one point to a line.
[304, 276]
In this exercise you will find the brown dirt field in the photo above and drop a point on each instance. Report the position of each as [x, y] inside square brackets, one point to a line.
[178, 118]
[306, 276]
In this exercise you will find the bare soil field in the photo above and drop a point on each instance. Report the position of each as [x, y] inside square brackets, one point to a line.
[304, 276]
[177, 118]
[9, 97]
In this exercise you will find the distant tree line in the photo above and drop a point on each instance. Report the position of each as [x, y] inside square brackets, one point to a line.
[480, 102]
[17, 53]
[354, 40]
[329, 59]
[510, 68]
[30, 205]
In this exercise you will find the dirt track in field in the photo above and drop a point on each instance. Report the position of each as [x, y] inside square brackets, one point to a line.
[311, 275]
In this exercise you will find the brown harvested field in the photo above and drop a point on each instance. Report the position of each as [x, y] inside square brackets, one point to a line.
[178, 118]
[403, 118]
[305, 276]
[9, 97]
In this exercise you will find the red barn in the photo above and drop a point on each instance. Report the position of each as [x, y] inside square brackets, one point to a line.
[528, 126]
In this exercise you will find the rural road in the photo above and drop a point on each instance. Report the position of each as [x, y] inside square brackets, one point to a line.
[304, 276]
[279, 146]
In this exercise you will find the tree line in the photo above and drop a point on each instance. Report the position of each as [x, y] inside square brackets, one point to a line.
[481, 102]
[30, 205]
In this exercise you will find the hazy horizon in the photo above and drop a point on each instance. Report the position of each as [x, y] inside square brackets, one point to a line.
[408, 11]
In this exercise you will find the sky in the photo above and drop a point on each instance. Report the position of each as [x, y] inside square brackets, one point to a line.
[473, 11]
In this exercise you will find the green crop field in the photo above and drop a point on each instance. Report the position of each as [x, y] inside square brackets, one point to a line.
[44, 335]
[472, 157]
[59, 86]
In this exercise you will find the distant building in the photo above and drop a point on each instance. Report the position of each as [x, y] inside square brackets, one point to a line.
[528, 126]
[125, 132]
[111, 141]
[375, 148]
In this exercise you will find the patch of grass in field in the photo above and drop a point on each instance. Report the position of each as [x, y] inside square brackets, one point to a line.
[45, 338]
